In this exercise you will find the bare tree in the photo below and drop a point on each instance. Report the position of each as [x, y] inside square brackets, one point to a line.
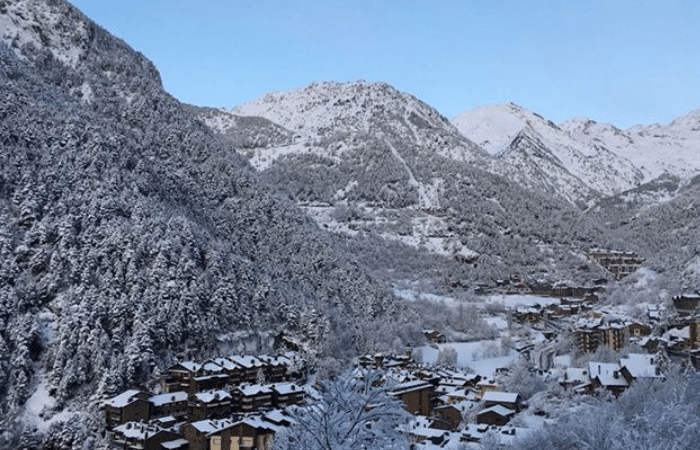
[350, 414]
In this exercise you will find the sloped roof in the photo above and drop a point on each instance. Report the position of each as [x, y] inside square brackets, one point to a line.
[500, 397]
[639, 365]
[208, 397]
[497, 409]
[123, 399]
[169, 397]
[607, 373]
[410, 386]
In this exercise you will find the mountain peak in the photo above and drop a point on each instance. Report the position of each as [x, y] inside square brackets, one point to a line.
[355, 106]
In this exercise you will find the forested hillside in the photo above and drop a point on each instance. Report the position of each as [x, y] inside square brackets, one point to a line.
[130, 236]
[392, 176]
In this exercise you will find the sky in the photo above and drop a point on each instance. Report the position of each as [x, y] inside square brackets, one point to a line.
[626, 62]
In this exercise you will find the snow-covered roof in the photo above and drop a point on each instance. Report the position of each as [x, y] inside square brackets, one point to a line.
[210, 426]
[427, 432]
[189, 365]
[174, 445]
[576, 375]
[588, 322]
[252, 421]
[136, 430]
[498, 409]
[607, 373]
[169, 397]
[410, 386]
[220, 376]
[276, 416]
[254, 389]
[286, 388]
[123, 399]
[639, 365]
[246, 361]
[675, 334]
[211, 366]
[500, 397]
[225, 363]
[208, 397]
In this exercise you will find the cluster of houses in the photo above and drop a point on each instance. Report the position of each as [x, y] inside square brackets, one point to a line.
[618, 263]
[222, 403]
[450, 404]
[445, 402]
[613, 377]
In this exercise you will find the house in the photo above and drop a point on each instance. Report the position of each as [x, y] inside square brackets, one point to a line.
[142, 436]
[209, 382]
[608, 376]
[233, 370]
[434, 336]
[275, 368]
[614, 335]
[252, 369]
[636, 329]
[591, 332]
[510, 400]
[169, 404]
[129, 406]
[450, 415]
[209, 404]
[618, 263]
[180, 377]
[495, 415]
[529, 314]
[694, 333]
[415, 395]
[249, 433]
[638, 365]
[278, 418]
[285, 394]
[451, 394]
[576, 379]
[197, 433]
[423, 434]
[474, 432]
[686, 304]
[252, 397]
[677, 339]
[484, 386]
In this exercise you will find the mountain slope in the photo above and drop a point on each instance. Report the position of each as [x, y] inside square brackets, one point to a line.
[130, 235]
[655, 149]
[584, 170]
[381, 168]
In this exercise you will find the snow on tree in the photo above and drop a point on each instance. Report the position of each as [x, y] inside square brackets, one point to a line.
[349, 414]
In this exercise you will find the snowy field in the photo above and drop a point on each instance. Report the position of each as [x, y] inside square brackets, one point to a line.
[508, 301]
[483, 357]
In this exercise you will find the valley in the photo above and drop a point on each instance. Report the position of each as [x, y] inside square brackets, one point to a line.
[345, 221]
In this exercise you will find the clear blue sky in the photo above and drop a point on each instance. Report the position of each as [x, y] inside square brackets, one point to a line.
[622, 61]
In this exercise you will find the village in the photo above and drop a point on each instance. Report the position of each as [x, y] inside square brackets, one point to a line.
[554, 335]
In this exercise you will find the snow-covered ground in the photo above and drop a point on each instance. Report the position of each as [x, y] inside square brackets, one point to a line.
[39, 409]
[483, 357]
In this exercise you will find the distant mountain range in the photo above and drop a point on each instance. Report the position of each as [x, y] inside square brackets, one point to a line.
[499, 183]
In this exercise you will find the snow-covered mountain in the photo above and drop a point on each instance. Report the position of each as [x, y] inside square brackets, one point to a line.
[130, 235]
[370, 162]
[673, 149]
[542, 153]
